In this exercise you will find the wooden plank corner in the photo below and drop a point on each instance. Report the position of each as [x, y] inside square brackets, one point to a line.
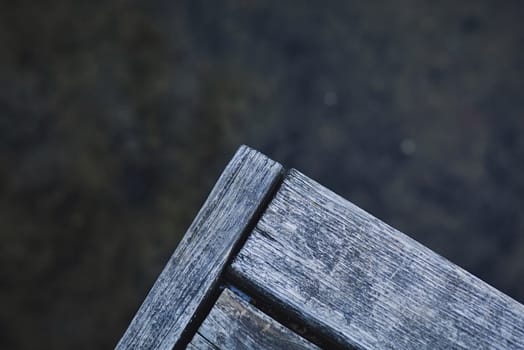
[192, 273]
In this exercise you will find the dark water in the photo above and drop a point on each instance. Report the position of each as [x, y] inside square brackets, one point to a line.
[116, 117]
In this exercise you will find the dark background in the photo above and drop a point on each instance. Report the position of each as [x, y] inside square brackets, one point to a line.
[116, 118]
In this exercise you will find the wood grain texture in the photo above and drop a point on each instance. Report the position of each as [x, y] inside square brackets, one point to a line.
[235, 324]
[192, 272]
[365, 284]
[200, 343]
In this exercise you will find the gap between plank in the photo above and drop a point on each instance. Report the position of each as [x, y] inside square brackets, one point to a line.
[209, 301]
[282, 315]
[285, 316]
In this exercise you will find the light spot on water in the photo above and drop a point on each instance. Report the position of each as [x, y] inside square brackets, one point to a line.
[330, 98]
[408, 146]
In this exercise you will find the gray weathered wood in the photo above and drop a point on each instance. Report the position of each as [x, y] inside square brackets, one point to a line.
[235, 324]
[365, 284]
[200, 343]
[192, 272]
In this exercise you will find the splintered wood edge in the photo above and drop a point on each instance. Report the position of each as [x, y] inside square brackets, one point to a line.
[192, 272]
[233, 323]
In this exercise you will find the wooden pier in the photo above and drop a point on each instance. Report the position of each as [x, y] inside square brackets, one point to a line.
[274, 260]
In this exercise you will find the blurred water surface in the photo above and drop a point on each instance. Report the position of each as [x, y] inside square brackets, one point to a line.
[116, 118]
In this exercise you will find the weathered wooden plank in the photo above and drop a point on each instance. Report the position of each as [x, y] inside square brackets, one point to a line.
[235, 324]
[192, 272]
[200, 343]
[365, 284]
